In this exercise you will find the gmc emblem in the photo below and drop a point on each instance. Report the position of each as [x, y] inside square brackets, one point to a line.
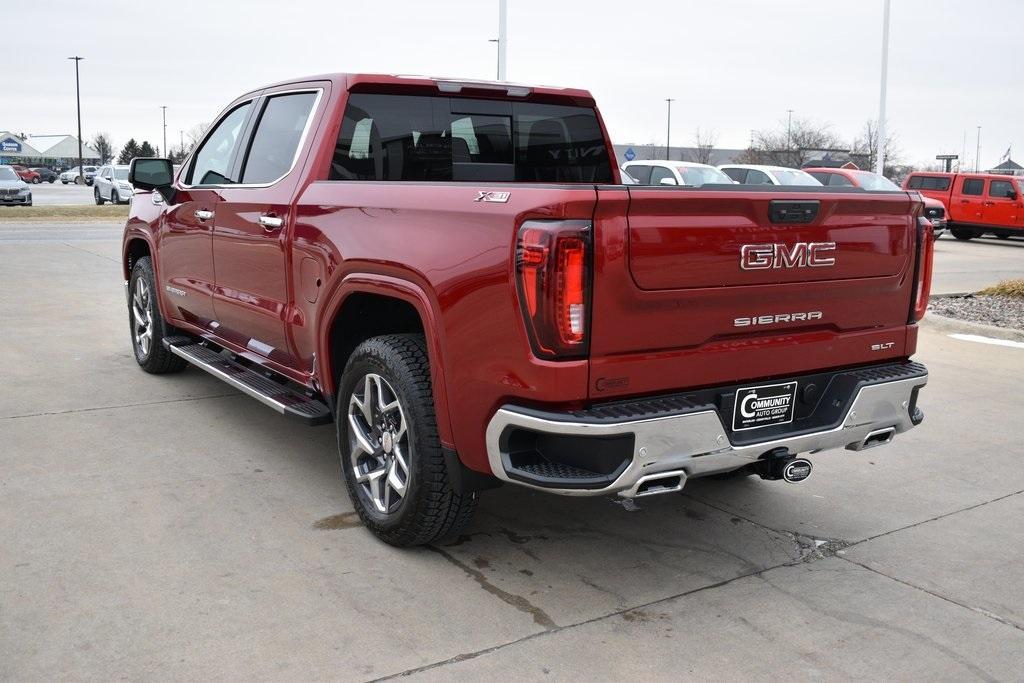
[800, 255]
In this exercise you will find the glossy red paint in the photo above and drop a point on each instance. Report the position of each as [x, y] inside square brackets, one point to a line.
[987, 207]
[666, 284]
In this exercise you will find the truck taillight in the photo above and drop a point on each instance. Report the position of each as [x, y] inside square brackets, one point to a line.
[923, 280]
[553, 279]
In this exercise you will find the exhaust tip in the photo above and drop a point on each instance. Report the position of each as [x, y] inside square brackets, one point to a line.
[653, 484]
[879, 437]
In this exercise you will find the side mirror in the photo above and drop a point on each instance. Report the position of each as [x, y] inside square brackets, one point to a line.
[669, 181]
[1011, 194]
[153, 174]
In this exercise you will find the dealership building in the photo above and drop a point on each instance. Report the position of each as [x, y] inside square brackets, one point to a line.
[59, 152]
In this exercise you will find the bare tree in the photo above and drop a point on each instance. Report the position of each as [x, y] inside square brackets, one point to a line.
[866, 145]
[794, 146]
[194, 135]
[103, 144]
[704, 142]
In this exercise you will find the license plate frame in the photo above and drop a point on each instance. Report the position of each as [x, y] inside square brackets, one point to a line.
[775, 405]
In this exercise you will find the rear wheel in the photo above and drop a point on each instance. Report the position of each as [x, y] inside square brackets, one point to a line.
[390, 452]
[146, 323]
[36, 180]
[963, 234]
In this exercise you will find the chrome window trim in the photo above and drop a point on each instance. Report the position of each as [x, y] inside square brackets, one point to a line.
[298, 149]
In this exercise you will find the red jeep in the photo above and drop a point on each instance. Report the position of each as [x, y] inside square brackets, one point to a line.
[978, 203]
[454, 274]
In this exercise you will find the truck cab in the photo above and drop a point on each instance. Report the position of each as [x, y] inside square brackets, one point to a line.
[977, 203]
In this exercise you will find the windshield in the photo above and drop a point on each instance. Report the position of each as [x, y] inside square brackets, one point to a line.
[791, 176]
[121, 173]
[873, 181]
[7, 173]
[695, 176]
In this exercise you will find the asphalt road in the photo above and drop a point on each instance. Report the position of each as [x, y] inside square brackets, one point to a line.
[170, 527]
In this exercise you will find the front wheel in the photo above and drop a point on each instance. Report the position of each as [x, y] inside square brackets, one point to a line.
[963, 234]
[391, 456]
[114, 198]
[97, 197]
[146, 323]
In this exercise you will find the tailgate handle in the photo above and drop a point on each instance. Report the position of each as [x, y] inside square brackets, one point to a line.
[790, 211]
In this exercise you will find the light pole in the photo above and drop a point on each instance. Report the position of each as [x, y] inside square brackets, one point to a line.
[789, 130]
[164, 108]
[502, 39]
[977, 154]
[497, 41]
[880, 154]
[78, 107]
[181, 143]
[668, 132]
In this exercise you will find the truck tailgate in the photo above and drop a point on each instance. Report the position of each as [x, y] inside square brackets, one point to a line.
[698, 287]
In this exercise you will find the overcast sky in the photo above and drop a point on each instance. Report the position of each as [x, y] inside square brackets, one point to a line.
[731, 65]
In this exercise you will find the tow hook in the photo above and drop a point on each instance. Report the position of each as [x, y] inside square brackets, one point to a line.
[781, 464]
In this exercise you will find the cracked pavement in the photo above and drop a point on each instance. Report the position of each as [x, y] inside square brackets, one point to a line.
[169, 527]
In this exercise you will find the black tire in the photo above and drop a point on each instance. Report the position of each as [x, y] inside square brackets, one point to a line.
[51, 180]
[153, 357]
[78, 180]
[97, 197]
[63, 182]
[114, 199]
[36, 180]
[1002, 236]
[429, 509]
[963, 234]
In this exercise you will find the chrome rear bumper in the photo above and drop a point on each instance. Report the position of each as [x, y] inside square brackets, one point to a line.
[696, 443]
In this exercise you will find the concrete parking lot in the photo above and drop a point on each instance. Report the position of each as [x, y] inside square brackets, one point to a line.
[170, 527]
[58, 194]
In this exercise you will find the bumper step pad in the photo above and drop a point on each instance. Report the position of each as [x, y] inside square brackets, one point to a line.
[274, 394]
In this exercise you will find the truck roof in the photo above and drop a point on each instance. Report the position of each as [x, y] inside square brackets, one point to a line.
[399, 82]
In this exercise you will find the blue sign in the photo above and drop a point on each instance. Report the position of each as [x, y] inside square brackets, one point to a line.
[10, 145]
[630, 154]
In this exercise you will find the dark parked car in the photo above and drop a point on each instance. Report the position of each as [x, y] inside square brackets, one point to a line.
[46, 175]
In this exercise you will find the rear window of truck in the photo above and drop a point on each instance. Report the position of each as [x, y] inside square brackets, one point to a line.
[426, 138]
[923, 182]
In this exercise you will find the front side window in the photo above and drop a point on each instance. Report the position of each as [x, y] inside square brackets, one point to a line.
[791, 176]
[698, 176]
[213, 160]
[1000, 188]
[425, 138]
[974, 186]
[659, 173]
[277, 137]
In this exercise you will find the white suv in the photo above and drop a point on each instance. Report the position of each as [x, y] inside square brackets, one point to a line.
[685, 173]
[111, 185]
[752, 174]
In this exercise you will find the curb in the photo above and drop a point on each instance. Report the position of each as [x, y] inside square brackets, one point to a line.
[941, 323]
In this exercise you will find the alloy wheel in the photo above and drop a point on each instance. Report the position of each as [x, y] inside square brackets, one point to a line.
[378, 443]
[142, 317]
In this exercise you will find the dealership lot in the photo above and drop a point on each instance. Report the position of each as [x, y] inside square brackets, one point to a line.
[169, 526]
[58, 194]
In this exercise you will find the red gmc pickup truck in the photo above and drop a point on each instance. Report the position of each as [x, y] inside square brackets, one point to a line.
[978, 203]
[454, 274]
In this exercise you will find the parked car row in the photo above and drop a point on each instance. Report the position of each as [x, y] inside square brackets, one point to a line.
[689, 174]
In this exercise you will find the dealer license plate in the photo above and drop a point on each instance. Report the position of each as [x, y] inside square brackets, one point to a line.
[763, 406]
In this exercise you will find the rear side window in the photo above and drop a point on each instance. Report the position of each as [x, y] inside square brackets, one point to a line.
[277, 137]
[408, 137]
[737, 174]
[923, 182]
[641, 172]
[837, 180]
[974, 186]
[1000, 188]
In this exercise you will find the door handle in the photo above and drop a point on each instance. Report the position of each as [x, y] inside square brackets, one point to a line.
[965, 201]
[271, 222]
[990, 203]
[203, 214]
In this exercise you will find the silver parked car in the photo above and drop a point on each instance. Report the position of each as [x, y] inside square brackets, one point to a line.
[72, 176]
[13, 190]
[111, 185]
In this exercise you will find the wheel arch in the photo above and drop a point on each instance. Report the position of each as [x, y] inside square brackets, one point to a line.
[367, 305]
